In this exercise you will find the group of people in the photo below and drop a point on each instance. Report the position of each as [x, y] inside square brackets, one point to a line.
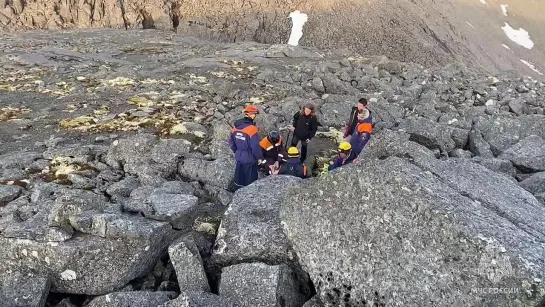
[270, 154]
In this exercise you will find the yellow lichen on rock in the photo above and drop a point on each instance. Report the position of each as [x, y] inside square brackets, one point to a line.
[142, 101]
[62, 166]
[9, 113]
[78, 122]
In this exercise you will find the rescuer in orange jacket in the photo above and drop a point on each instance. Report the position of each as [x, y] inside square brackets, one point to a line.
[244, 142]
[273, 149]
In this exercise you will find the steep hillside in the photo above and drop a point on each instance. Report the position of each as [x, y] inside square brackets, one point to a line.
[428, 32]
[115, 178]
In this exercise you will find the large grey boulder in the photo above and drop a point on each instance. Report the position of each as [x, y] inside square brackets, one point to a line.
[8, 193]
[119, 250]
[434, 135]
[534, 184]
[219, 172]
[166, 203]
[528, 154]
[132, 298]
[502, 132]
[384, 230]
[250, 229]
[497, 165]
[148, 157]
[23, 287]
[260, 285]
[187, 262]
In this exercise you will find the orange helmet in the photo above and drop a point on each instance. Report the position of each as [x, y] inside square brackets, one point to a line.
[251, 110]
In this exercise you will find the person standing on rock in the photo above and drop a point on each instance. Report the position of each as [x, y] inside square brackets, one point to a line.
[244, 142]
[304, 127]
[361, 135]
[293, 165]
[273, 149]
[359, 111]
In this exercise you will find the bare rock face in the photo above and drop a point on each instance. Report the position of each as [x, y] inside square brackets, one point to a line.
[418, 223]
[23, 287]
[93, 264]
[402, 30]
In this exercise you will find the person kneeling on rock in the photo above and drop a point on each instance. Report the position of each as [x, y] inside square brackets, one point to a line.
[293, 165]
[244, 142]
[346, 156]
[273, 150]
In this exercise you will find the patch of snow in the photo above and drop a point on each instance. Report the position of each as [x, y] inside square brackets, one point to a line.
[519, 36]
[504, 9]
[532, 67]
[471, 25]
[298, 19]
[483, 1]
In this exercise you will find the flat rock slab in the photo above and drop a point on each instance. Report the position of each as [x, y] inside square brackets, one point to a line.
[528, 154]
[21, 287]
[92, 265]
[187, 262]
[385, 229]
[260, 285]
[132, 298]
[250, 229]
[219, 172]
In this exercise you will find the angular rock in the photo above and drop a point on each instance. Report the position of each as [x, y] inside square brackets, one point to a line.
[528, 154]
[19, 160]
[518, 107]
[198, 299]
[502, 132]
[427, 226]
[124, 187]
[219, 172]
[92, 265]
[478, 146]
[257, 218]
[23, 287]
[132, 298]
[167, 153]
[435, 136]
[187, 262]
[160, 204]
[72, 203]
[497, 165]
[314, 302]
[8, 193]
[260, 285]
[129, 154]
[534, 184]
[177, 209]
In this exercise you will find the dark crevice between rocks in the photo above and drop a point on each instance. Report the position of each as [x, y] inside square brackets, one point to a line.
[76, 299]
[175, 17]
[147, 20]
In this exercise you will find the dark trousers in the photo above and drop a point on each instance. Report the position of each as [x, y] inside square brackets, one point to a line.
[295, 139]
[245, 174]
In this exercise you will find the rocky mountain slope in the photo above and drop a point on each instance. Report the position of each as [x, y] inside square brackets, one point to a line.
[484, 34]
[115, 175]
